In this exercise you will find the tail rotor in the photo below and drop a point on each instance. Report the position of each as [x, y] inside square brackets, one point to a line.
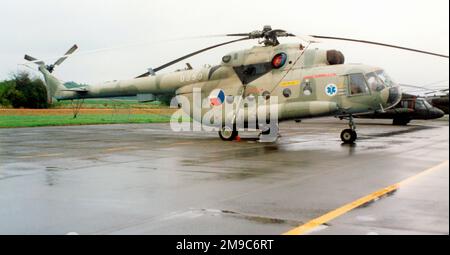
[51, 68]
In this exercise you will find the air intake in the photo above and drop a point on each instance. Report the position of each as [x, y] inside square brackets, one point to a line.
[335, 57]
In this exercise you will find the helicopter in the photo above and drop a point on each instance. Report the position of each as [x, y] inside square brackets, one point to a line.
[439, 101]
[410, 107]
[436, 97]
[306, 83]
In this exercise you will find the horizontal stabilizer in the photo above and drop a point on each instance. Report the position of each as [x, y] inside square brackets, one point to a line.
[78, 90]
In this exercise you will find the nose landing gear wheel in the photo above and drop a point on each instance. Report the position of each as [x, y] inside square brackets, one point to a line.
[227, 133]
[348, 136]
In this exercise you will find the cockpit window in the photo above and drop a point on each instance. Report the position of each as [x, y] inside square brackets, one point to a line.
[357, 84]
[420, 105]
[375, 84]
[385, 78]
[428, 105]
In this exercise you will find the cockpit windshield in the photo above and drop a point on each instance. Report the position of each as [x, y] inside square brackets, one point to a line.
[428, 105]
[420, 104]
[375, 83]
[385, 78]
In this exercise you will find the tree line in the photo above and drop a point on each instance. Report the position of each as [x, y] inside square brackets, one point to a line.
[23, 91]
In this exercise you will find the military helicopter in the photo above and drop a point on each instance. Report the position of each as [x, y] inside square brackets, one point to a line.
[439, 101]
[411, 107]
[436, 97]
[307, 82]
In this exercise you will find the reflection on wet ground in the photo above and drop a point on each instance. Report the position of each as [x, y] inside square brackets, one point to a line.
[146, 179]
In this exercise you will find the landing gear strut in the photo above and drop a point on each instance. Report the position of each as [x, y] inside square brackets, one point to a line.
[76, 106]
[349, 135]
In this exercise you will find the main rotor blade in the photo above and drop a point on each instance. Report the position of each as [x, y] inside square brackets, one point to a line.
[190, 55]
[238, 34]
[70, 51]
[437, 91]
[422, 88]
[379, 44]
[307, 38]
[416, 87]
[34, 60]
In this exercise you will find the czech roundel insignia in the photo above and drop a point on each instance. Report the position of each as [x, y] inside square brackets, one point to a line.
[331, 90]
[217, 97]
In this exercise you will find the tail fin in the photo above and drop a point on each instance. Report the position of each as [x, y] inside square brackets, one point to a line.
[54, 85]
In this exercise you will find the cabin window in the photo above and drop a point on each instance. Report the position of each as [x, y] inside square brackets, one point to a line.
[407, 104]
[357, 84]
[375, 84]
[306, 86]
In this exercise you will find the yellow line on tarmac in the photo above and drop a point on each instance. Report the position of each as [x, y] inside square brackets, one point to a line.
[357, 203]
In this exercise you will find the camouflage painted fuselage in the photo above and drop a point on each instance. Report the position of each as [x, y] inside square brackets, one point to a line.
[306, 84]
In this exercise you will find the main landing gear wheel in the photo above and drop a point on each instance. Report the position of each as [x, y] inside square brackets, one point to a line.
[348, 135]
[227, 133]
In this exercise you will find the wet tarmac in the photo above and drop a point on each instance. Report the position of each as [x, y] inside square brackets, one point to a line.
[146, 179]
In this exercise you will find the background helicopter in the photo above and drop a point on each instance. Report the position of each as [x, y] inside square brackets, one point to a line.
[411, 107]
[440, 102]
[437, 97]
[308, 82]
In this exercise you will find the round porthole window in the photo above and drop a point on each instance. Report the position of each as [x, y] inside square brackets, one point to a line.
[287, 92]
[279, 60]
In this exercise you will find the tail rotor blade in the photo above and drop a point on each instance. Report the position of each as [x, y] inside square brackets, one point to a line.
[30, 58]
[61, 59]
[72, 50]
[34, 60]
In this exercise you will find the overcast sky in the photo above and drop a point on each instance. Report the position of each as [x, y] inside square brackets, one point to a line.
[47, 28]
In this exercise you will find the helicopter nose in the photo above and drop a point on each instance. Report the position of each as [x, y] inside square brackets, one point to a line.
[393, 96]
[436, 113]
